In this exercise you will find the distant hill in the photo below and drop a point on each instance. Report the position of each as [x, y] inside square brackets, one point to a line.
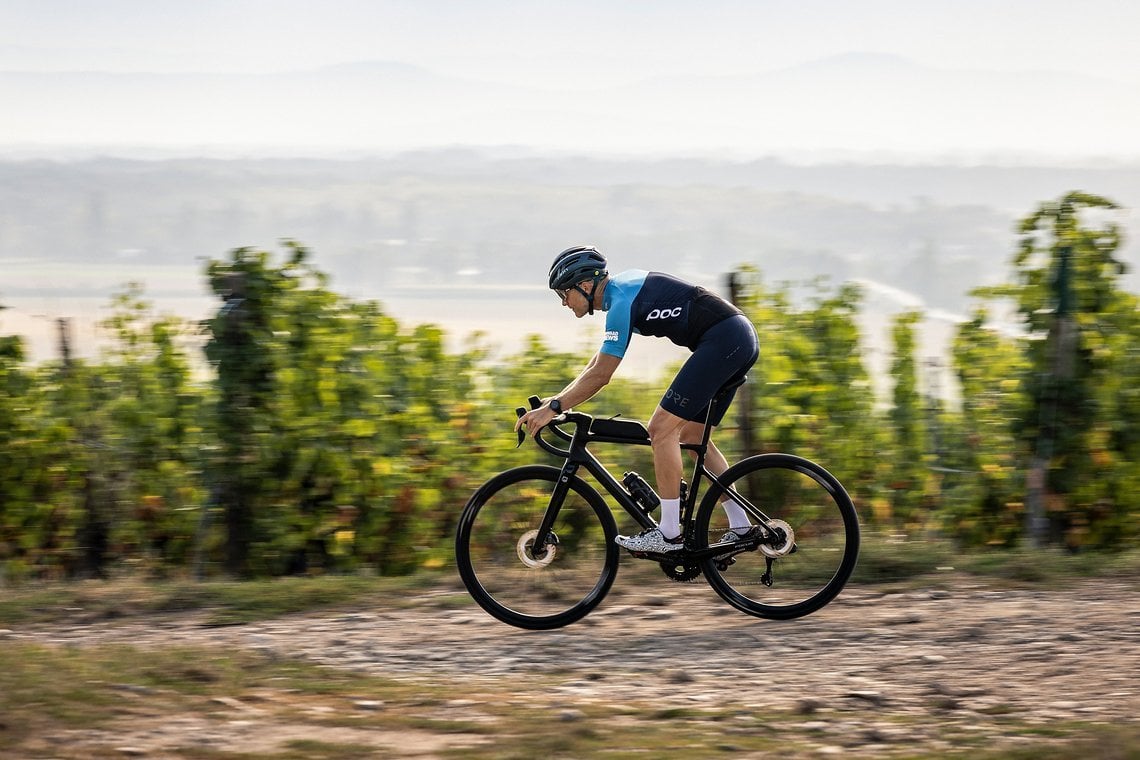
[378, 223]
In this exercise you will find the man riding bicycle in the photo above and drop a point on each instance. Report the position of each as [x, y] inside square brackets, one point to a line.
[724, 347]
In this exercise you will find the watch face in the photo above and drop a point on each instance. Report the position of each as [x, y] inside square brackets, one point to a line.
[556, 405]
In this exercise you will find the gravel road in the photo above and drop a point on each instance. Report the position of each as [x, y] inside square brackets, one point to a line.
[880, 671]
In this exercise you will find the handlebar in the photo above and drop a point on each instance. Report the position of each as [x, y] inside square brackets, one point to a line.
[577, 418]
[587, 429]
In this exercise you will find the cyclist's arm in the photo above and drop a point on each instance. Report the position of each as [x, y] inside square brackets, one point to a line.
[590, 380]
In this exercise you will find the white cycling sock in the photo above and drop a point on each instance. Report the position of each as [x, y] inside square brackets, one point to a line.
[737, 517]
[670, 524]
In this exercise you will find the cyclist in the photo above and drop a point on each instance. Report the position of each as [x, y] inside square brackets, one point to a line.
[724, 346]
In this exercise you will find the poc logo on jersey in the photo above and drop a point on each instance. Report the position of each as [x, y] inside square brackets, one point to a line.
[664, 313]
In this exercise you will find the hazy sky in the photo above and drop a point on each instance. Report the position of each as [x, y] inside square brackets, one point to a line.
[575, 43]
[574, 47]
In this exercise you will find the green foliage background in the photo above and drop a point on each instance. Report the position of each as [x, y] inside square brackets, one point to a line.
[332, 438]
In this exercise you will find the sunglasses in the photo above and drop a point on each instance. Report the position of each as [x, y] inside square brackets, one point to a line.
[561, 294]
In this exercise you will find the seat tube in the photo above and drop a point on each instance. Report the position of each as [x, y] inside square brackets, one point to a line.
[707, 436]
[689, 498]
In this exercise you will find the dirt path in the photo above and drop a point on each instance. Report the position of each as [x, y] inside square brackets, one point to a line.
[874, 673]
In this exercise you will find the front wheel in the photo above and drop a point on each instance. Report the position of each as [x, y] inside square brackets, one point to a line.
[814, 552]
[542, 588]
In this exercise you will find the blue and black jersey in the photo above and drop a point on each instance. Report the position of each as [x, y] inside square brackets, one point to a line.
[652, 303]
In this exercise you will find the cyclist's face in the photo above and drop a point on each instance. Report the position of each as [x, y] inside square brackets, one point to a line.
[573, 299]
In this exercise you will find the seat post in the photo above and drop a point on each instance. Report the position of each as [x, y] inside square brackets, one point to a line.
[708, 425]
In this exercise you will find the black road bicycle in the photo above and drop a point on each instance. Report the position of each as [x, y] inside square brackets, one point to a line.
[535, 544]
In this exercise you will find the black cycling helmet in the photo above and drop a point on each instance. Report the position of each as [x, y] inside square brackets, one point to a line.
[580, 262]
[575, 264]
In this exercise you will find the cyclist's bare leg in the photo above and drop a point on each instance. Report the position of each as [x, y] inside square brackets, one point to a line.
[717, 464]
[665, 436]
[692, 432]
[688, 432]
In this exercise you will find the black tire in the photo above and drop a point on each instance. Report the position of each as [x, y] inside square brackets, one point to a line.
[825, 528]
[506, 579]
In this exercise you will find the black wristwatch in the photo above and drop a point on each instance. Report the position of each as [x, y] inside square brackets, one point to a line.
[556, 405]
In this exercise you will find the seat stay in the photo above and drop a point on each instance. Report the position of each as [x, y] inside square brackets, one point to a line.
[752, 510]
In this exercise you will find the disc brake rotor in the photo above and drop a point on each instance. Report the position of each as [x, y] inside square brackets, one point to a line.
[526, 542]
[784, 547]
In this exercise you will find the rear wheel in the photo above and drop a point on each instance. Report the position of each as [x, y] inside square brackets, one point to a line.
[807, 563]
[548, 587]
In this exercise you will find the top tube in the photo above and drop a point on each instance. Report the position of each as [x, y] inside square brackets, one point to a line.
[588, 429]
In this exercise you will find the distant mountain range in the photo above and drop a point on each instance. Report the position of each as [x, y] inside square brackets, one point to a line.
[844, 105]
[933, 231]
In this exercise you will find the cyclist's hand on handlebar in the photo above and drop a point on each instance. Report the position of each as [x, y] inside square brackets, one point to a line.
[536, 419]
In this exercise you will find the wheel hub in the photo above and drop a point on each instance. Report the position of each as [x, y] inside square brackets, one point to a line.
[779, 547]
[525, 547]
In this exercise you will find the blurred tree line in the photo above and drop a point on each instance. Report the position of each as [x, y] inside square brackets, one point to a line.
[330, 437]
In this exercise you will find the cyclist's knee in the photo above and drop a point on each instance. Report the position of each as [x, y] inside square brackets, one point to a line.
[665, 425]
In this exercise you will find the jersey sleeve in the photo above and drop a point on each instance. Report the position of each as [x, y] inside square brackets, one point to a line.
[619, 331]
[621, 296]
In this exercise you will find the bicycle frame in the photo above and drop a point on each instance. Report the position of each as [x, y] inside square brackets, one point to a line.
[578, 456]
[535, 544]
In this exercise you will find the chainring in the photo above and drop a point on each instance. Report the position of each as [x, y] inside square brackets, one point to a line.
[681, 572]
